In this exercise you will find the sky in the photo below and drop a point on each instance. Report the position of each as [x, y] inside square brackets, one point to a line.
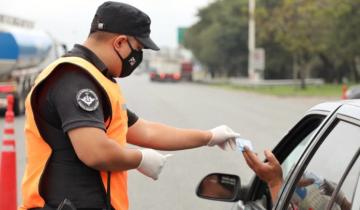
[69, 20]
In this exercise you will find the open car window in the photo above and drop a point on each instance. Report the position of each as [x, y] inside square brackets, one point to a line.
[294, 144]
[289, 151]
[289, 162]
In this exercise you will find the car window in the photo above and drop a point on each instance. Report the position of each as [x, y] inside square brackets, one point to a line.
[326, 167]
[289, 150]
[298, 141]
[345, 196]
[294, 156]
[356, 199]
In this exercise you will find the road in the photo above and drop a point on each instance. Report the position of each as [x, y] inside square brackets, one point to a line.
[263, 119]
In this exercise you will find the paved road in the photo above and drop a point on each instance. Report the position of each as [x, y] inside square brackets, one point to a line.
[263, 119]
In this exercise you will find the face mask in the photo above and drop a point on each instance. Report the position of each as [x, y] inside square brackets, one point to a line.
[130, 63]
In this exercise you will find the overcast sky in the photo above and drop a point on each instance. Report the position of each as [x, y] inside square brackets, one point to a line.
[69, 20]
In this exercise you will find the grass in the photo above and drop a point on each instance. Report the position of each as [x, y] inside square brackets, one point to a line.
[327, 90]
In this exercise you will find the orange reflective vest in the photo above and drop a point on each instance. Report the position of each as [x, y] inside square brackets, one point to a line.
[38, 151]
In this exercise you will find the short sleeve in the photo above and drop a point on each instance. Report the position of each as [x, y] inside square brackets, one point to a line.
[78, 99]
[132, 118]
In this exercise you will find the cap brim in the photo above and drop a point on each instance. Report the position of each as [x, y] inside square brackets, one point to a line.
[148, 43]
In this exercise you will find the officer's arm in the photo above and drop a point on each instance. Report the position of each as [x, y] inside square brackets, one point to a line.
[162, 137]
[96, 150]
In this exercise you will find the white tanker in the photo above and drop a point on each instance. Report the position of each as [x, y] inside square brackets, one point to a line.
[24, 52]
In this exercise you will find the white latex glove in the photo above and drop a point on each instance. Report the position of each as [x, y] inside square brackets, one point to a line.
[152, 163]
[223, 137]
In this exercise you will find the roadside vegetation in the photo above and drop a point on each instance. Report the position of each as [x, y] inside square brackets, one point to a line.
[302, 39]
[328, 90]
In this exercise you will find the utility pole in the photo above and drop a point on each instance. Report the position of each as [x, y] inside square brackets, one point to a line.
[251, 42]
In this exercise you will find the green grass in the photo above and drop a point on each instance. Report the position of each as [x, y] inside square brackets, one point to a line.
[327, 90]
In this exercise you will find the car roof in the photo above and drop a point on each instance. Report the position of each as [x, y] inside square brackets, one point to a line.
[328, 107]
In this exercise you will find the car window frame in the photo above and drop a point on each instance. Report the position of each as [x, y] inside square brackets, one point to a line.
[281, 151]
[353, 162]
[348, 113]
[357, 195]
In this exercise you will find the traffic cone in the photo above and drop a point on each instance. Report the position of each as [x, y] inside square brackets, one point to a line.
[344, 90]
[8, 161]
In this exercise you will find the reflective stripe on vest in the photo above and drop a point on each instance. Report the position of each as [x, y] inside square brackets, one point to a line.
[38, 151]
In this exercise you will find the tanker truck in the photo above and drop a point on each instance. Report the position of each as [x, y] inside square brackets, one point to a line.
[24, 52]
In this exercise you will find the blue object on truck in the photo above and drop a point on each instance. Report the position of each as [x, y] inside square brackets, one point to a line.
[22, 48]
[8, 49]
[24, 53]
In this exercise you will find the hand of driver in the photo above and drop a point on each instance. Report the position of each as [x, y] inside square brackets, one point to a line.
[270, 171]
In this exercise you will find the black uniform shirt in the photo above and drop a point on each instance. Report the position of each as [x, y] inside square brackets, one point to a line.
[59, 104]
[58, 110]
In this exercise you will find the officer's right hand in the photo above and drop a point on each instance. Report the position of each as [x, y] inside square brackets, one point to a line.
[152, 163]
[224, 137]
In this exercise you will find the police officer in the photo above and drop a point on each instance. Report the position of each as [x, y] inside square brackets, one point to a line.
[77, 124]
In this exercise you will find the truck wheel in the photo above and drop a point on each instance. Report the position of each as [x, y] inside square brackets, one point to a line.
[19, 105]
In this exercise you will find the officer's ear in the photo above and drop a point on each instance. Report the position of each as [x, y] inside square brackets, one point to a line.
[120, 41]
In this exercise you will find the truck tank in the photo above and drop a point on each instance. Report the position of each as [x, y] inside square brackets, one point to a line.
[22, 48]
[24, 53]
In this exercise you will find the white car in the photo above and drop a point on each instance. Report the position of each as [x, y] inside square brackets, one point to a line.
[323, 148]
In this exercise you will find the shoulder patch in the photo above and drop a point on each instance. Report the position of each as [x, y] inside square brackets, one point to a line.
[87, 100]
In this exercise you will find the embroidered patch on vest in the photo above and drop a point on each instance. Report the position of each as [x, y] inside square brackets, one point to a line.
[87, 100]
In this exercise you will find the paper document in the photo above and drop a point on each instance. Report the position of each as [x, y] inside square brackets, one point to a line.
[240, 143]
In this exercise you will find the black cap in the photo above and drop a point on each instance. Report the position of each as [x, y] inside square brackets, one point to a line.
[121, 18]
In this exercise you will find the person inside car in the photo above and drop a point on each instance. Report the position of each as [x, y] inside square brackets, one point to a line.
[271, 173]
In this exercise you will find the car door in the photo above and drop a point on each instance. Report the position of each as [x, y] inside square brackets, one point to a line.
[345, 191]
[328, 160]
[289, 151]
[356, 200]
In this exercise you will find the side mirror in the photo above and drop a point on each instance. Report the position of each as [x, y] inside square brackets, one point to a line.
[220, 187]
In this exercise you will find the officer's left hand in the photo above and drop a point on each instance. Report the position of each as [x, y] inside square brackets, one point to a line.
[152, 163]
[223, 137]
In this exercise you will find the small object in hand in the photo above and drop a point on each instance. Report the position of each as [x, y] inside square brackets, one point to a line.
[241, 143]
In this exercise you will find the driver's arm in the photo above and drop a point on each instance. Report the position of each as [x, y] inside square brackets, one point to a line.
[270, 171]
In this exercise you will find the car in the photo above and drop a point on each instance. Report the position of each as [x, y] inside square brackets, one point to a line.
[353, 92]
[322, 149]
[165, 77]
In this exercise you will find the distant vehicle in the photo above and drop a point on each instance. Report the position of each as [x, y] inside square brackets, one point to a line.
[320, 159]
[24, 52]
[186, 71]
[165, 77]
[353, 92]
[171, 71]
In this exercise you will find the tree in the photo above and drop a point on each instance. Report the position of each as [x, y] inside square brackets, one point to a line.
[302, 38]
[219, 39]
[312, 30]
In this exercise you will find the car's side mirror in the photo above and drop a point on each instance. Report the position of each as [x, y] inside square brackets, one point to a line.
[221, 187]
